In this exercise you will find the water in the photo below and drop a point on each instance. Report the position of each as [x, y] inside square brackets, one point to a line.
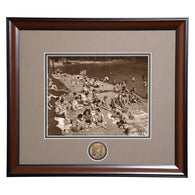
[118, 71]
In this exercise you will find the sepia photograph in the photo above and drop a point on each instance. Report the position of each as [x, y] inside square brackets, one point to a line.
[90, 95]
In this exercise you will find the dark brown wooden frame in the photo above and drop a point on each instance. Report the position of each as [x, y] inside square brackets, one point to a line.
[14, 25]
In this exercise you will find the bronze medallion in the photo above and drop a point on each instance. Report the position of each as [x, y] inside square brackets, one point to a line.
[97, 150]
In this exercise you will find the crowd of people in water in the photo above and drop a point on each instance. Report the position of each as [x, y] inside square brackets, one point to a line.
[89, 105]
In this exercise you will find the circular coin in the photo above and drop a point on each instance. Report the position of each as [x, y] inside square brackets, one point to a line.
[97, 150]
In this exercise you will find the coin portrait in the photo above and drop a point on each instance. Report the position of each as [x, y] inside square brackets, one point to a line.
[97, 150]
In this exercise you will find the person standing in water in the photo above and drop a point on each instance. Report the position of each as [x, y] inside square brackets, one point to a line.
[145, 87]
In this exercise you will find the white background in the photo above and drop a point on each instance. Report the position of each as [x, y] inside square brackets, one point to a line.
[97, 185]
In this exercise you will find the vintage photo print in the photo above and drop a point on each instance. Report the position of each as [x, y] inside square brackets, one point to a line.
[97, 95]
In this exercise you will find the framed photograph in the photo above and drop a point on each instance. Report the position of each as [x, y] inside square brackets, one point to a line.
[97, 97]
